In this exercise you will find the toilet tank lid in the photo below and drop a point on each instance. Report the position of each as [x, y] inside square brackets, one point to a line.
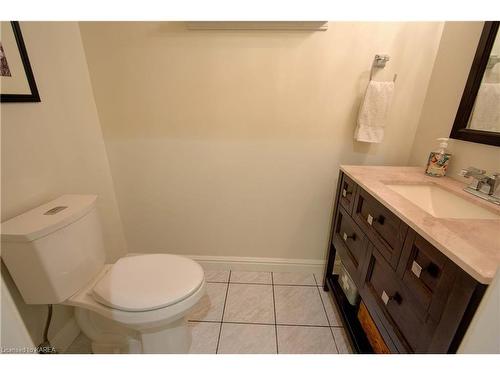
[47, 218]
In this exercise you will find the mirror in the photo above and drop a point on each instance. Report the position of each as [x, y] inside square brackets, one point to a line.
[478, 116]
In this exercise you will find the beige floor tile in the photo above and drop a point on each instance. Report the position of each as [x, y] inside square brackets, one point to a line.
[341, 340]
[211, 305]
[204, 337]
[217, 276]
[250, 277]
[247, 339]
[299, 305]
[319, 278]
[305, 340]
[331, 309]
[249, 303]
[293, 278]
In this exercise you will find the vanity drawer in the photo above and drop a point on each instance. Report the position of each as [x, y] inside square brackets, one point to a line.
[384, 229]
[409, 322]
[347, 193]
[350, 242]
[426, 273]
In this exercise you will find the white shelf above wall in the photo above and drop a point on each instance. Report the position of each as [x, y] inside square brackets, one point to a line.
[259, 25]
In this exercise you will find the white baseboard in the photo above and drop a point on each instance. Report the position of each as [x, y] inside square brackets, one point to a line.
[65, 336]
[259, 264]
[222, 263]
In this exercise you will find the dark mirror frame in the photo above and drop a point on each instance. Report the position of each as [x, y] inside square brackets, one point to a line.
[459, 130]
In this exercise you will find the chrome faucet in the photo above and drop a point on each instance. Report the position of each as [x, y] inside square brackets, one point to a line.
[482, 185]
[493, 183]
[477, 175]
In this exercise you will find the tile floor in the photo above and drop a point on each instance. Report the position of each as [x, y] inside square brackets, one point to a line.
[261, 312]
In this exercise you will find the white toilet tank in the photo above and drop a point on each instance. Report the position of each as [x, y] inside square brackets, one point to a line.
[54, 250]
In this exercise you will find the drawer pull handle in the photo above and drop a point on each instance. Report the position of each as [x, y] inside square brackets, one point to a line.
[432, 269]
[380, 219]
[416, 269]
[396, 297]
[346, 237]
[345, 193]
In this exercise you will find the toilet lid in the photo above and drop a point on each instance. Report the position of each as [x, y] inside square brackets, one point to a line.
[148, 282]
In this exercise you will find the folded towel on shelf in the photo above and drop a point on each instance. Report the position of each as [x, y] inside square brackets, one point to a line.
[373, 112]
[486, 112]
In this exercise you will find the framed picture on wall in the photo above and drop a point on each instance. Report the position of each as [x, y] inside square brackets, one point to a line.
[17, 83]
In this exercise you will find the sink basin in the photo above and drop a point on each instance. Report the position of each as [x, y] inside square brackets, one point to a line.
[441, 203]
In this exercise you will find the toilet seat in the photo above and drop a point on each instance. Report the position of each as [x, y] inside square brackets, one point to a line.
[139, 320]
[148, 282]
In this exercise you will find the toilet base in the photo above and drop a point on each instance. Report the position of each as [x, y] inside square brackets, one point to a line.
[174, 338]
[109, 337]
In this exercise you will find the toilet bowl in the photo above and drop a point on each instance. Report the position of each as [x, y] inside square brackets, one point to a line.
[55, 254]
[138, 304]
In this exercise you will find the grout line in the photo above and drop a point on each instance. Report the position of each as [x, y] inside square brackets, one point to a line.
[301, 325]
[310, 285]
[327, 318]
[320, 285]
[239, 282]
[223, 311]
[339, 325]
[322, 303]
[251, 324]
[265, 324]
[275, 321]
[335, 341]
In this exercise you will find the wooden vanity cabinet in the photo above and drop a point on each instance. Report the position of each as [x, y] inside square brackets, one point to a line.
[418, 299]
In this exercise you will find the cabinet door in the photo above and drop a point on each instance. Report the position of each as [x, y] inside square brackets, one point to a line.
[384, 229]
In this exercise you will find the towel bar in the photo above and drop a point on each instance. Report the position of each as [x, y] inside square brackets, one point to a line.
[379, 61]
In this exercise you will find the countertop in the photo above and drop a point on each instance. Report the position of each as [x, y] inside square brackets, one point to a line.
[472, 244]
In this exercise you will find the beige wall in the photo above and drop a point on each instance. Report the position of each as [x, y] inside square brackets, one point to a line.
[228, 143]
[453, 62]
[56, 146]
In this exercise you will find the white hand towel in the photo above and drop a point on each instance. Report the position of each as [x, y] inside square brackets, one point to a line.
[486, 114]
[373, 112]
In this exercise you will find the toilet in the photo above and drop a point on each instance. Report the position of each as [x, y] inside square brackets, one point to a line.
[55, 254]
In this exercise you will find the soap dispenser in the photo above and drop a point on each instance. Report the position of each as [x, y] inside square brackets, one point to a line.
[437, 164]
